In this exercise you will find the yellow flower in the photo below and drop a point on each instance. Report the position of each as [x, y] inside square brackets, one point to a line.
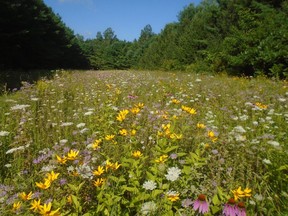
[16, 206]
[108, 165]
[261, 106]
[69, 199]
[25, 196]
[96, 144]
[123, 132]
[135, 110]
[136, 154]
[175, 101]
[46, 210]
[122, 115]
[116, 166]
[162, 159]
[45, 185]
[52, 176]
[200, 125]
[72, 155]
[99, 171]
[98, 182]
[238, 193]
[61, 160]
[109, 137]
[247, 192]
[176, 136]
[139, 105]
[173, 197]
[133, 132]
[187, 109]
[35, 205]
[166, 127]
[212, 136]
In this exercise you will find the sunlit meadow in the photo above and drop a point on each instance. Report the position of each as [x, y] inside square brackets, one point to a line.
[145, 143]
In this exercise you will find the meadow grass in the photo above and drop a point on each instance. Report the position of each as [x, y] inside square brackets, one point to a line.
[144, 143]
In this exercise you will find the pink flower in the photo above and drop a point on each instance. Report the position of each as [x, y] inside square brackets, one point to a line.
[201, 204]
[241, 211]
[230, 209]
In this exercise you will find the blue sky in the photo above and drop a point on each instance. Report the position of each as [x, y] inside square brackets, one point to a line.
[126, 17]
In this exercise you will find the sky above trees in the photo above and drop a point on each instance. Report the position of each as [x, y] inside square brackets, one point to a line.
[125, 17]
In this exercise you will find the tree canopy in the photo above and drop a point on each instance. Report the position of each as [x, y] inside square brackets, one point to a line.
[240, 37]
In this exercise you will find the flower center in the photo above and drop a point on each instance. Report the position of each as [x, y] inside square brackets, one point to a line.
[202, 197]
[231, 201]
[241, 205]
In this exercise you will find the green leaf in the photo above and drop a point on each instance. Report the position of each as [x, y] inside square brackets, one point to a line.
[215, 200]
[215, 209]
[156, 193]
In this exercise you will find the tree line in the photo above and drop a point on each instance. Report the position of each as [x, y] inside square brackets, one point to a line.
[239, 37]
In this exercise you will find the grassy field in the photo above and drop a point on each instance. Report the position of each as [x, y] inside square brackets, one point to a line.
[145, 143]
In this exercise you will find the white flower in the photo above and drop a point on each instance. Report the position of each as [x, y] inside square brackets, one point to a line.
[84, 130]
[88, 113]
[85, 171]
[173, 173]
[4, 133]
[266, 161]
[149, 185]
[80, 125]
[239, 129]
[64, 124]
[48, 168]
[34, 99]
[148, 208]
[240, 138]
[10, 151]
[243, 117]
[273, 143]
[63, 141]
[20, 107]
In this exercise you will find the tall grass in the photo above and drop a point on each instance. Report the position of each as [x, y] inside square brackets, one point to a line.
[144, 143]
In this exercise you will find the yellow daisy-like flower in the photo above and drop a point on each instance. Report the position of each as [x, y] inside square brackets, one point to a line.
[52, 176]
[99, 171]
[162, 159]
[166, 127]
[25, 196]
[46, 210]
[123, 132]
[135, 110]
[247, 192]
[176, 136]
[109, 137]
[139, 105]
[212, 136]
[108, 165]
[16, 206]
[122, 115]
[96, 144]
[173, 197]
[133, 132]
[72, 155]
[98, 182]
[175, 101]
[238, 193]
[136, 154]
[261, 106]
[61, 160]
[45, 185]
[116, 166]
[35, 205]
[200, 125]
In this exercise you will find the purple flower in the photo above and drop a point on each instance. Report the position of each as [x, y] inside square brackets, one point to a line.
[241, 211]
[230, 209]
[201, 205]
[173, 156]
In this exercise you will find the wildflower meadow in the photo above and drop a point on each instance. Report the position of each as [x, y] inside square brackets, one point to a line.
[144, 143]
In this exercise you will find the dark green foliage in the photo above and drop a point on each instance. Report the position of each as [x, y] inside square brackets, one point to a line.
[33, 37]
